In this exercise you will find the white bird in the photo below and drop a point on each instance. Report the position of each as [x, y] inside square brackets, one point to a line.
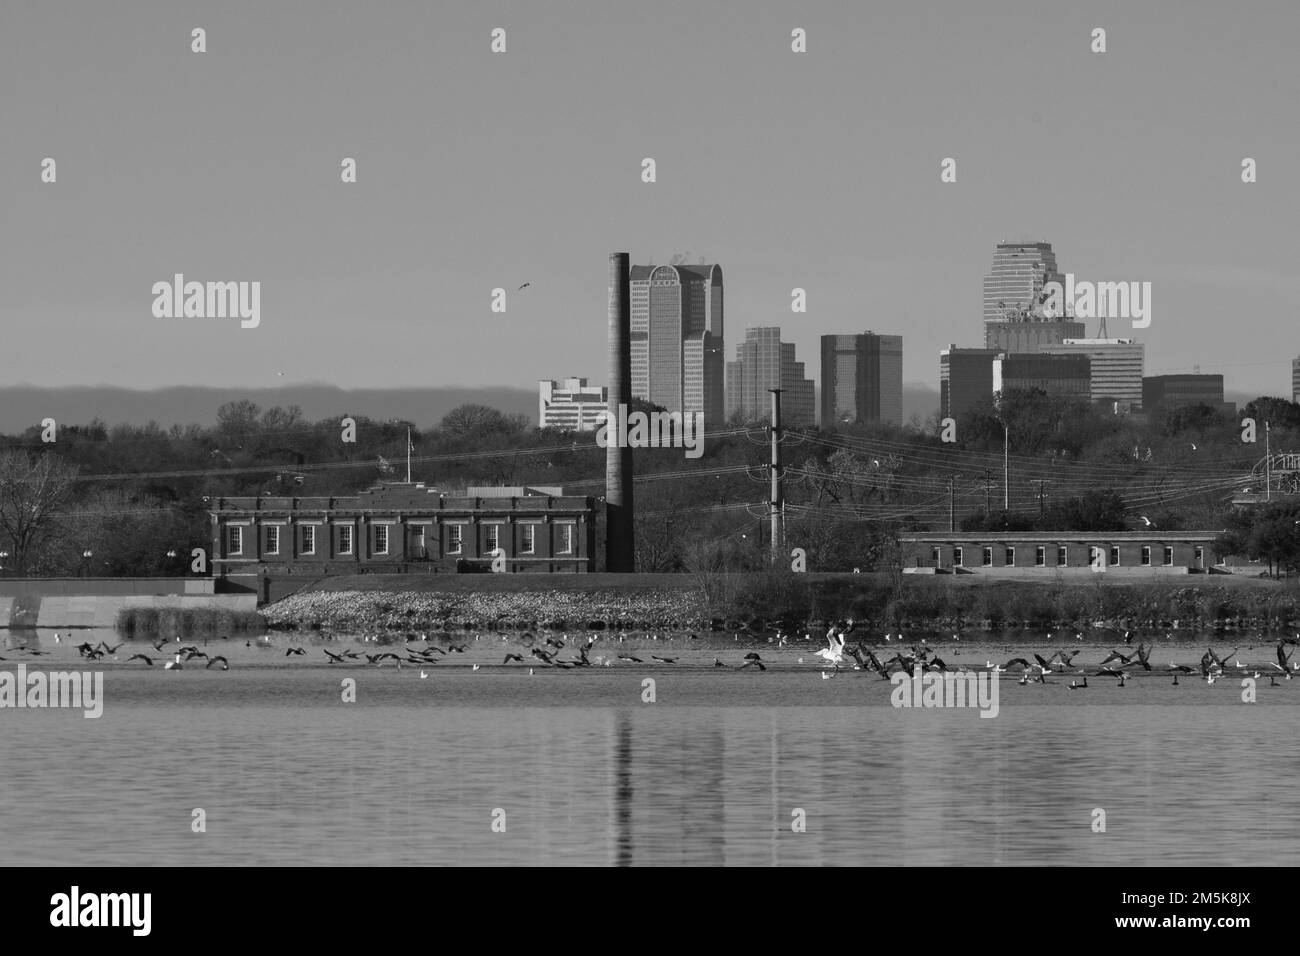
[423, 675]
[1146, 521]
[173, 665]
[834, 653]
[474, 668]
[530, 672]
[826, 676]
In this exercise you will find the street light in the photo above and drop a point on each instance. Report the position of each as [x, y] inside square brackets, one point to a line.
[399, 421]
[86, 556]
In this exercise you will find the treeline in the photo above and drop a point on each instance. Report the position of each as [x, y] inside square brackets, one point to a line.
[133, 500]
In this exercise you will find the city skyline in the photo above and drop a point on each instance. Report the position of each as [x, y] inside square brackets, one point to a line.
[785, 197]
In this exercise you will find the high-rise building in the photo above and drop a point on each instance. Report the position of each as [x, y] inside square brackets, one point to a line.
[1179, 391]
[965, 379]
[764, 362]
[1014, 285]
[677, 359]
[1117, 366]
[1295, 380]
[862, 379]
[575, 405]
[1030, 333]
[1068, 376]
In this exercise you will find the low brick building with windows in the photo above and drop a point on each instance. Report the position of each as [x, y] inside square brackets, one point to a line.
[1023, 553]
[398, 527]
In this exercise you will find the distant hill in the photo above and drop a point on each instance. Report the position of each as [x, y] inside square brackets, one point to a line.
[22, 406]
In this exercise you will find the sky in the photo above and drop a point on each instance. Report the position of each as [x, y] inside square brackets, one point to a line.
[478, 170]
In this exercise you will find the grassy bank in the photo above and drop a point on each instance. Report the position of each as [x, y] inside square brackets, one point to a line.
[701, 602]
[148, 622]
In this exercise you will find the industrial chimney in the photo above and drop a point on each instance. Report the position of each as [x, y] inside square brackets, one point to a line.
[620, 547]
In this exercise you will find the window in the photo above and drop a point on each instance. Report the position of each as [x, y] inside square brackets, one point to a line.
[273, 540]
[987, 558]
[1060, 557]
[1146, 556]
[1198, 557]
[455, 538]
[1114, 557]
[565, 543]
[956, 557]
[1169, 556]
[493, 537]
[1094, 557]
[308, 539]
[1011, 557]
[345, 539]
[235, 540]
[381, 539]
[1040, 556]
[528, 543]
[935, 556]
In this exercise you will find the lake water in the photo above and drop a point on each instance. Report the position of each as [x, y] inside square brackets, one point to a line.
[585, 772]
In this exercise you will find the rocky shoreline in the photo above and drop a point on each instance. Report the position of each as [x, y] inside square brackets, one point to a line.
[930, 608]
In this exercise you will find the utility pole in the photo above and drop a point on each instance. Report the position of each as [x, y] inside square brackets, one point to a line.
[1006, 467]
[952, 504]
[1041, 483]
[777, 501]
[988, 484]
[1268, 465]
[408, 454]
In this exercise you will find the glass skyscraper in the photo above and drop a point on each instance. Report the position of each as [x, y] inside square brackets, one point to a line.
[1014, 285]
[764, 362]
[677, 359]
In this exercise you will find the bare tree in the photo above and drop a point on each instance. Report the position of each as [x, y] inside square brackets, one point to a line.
[32, 492]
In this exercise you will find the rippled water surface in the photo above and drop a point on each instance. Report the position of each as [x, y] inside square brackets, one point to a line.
[586, 772]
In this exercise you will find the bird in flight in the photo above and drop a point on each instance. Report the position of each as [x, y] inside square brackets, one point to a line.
[294, 650]
[225, 665]
[140, 657]
[525, 286]
[663, 660]
[512, 657]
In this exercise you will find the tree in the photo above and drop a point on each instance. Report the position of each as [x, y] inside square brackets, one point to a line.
[1276, 411]
[32, 492]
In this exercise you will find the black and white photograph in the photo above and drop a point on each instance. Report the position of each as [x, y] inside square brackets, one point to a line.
[584, 433]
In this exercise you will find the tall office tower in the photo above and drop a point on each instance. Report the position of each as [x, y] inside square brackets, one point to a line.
[764, 362]
[862, 379]
[1116, 368]
[677, 359]
[573, 405]
[1065, 375]
[1295, 380]
[965, 379]
[1179, 391]
[1030, 334]
[1013, 288]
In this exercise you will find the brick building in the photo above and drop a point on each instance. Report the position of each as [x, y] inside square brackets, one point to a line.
[398, 527]
[1027, 552]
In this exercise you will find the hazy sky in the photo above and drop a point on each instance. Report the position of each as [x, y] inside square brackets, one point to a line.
[479, 170]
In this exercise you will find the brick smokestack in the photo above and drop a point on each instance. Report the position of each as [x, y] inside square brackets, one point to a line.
[620, 547]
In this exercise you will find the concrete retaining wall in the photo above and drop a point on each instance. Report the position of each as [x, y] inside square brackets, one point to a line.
[100, 610]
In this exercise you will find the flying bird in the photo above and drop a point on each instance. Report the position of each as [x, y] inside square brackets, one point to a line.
[294, 650]
[212, 662]
[141, 657]
[524, 286]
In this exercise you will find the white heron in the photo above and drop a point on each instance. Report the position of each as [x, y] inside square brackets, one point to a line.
[834, 652]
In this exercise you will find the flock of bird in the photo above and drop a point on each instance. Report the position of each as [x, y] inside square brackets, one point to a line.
[423, 653]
